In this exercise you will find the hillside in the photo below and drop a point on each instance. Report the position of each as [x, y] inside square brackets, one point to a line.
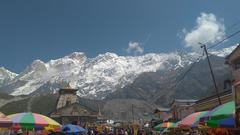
[112, 109]
[43, 104]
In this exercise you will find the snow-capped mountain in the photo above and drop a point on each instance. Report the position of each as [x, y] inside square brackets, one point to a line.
[94, 77]
[6, 76]
[223, 52]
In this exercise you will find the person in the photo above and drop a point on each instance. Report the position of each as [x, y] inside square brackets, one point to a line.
[89, 131]
[111, 132]
[129, 130]
[19, 132]
[120, 131]
[95, 131]
[126, 132]
[51, 132]
[140, 132]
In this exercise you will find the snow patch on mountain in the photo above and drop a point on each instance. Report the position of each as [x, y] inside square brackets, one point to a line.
[31, 86]
[223, 52]
[6, 76]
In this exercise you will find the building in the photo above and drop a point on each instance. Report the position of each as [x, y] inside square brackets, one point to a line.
[68, 109]
[180, 108]
[233, 60]
[67, 96]
[211, 102]
[162, 113]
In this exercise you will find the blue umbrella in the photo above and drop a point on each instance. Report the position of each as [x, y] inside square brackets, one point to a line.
[70, 128]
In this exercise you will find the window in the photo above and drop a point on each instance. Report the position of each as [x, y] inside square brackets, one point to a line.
[237, 64]
[237, 95]
[68, 102]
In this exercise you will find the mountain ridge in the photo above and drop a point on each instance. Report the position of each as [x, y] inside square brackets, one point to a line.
[147, 91]
[95, 77]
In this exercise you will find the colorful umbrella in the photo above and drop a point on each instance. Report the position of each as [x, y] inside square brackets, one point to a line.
[30, 121]
[165, 125]
[191, 120]
[5, 122]
[168, 125]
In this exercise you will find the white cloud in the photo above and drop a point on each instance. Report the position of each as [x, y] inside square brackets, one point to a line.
[208, 29]
[135, 48]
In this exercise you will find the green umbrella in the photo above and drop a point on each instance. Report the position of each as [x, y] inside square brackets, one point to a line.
[212, 123]
[223, 111]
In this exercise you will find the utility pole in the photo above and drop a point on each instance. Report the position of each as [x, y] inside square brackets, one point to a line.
[210, 67]
[132, 114]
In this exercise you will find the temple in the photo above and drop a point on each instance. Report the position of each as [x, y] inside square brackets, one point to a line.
[69, 110]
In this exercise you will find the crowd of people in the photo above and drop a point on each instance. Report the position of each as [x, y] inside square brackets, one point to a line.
[117, 131]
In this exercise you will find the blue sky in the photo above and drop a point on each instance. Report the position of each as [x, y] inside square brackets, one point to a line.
[50, 29]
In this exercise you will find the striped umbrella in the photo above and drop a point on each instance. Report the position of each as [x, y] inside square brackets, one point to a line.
[5, 122]
[30, 121]
[191, 120]
[165, 125]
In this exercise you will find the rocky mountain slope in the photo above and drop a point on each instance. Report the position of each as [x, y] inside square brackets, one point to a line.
[162, 87]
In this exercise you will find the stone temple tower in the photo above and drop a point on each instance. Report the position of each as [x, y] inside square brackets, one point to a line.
[67, 96]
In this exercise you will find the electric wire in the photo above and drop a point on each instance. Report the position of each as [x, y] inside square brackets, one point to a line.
[199, 58]
[224, 39]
